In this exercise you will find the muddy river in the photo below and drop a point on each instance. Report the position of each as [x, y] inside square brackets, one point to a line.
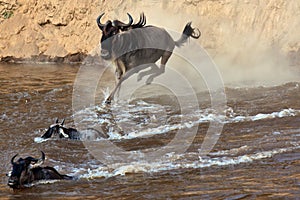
[156, 145]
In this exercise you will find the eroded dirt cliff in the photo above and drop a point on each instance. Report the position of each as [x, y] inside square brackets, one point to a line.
[234, 31]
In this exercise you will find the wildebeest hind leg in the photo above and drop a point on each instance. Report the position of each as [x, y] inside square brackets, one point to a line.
[164, 59]
[153, 70]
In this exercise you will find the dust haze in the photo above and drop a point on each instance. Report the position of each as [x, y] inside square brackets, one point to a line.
[242, 59]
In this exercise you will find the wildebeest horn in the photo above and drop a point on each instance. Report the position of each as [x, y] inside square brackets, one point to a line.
[194, 35]
[122, 25]
[39, 161]
[141, 22]
[100, 25]
[144, 20]
[62, 123]
[12, 160]
[43, 156]
[130, 20]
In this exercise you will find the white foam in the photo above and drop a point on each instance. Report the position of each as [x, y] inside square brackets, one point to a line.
[276, 133]
[47, 181]
[28, 185]
[124, 114]
[261, 116]
[173, 162]
[39, 140]
[232, 151]
[157, 121]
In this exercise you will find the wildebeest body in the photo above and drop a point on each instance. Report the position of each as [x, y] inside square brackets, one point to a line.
[47, 173]
[140, 46]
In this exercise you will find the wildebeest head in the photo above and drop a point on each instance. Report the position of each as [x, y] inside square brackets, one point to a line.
[21, 171]
[111, 28]
[54, 129]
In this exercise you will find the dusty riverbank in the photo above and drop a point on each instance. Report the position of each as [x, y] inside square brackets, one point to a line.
[233, 32]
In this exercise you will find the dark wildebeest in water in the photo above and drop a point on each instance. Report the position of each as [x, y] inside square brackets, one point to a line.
[133, 47]
[62, 131]
[71, 133]
[28, 170]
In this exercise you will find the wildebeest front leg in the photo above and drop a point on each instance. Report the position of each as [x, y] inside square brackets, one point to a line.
[118, 85]
[110, 97]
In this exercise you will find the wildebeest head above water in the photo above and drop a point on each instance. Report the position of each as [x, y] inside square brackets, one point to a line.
[28, 170]
[63, 132]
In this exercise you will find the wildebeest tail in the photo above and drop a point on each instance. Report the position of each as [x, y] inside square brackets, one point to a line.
[188, 31]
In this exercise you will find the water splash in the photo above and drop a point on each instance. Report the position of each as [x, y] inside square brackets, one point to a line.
[174, 162]
[154, 119]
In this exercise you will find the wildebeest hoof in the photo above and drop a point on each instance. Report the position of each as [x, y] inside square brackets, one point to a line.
[108, 101]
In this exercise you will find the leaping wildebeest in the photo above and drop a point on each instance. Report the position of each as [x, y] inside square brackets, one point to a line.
[130, 46]
[27, 170]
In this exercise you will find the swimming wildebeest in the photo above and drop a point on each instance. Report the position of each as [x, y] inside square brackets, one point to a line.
[28, 170]
[133, 45]
[63, 132]
[71, 133]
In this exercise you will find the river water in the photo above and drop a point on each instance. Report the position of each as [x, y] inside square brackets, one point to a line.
[256, 155]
